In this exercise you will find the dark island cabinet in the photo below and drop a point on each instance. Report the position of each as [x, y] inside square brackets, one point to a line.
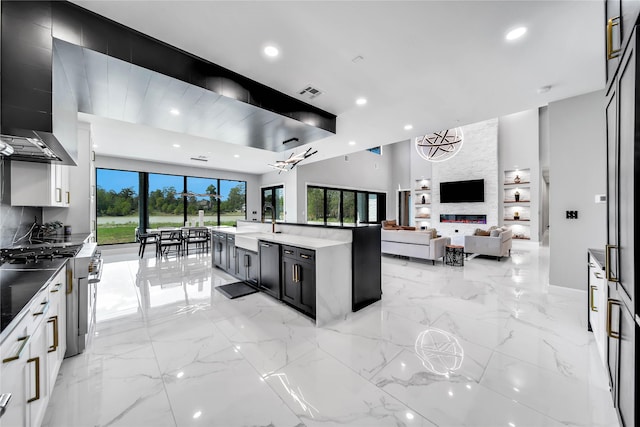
[269, 272]
[232, 261]
[247, 262]
[220, 250]
[299, 279]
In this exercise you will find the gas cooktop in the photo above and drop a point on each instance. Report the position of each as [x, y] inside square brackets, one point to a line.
[34, 255]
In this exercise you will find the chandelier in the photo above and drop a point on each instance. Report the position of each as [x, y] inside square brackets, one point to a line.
[292, 161]
[439, 146]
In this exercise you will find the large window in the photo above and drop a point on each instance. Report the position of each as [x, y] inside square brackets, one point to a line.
[334, 206]
[165, 204]
[126, 200]
[117, 206]
[275, 197]
[232, 201]
[198, 200]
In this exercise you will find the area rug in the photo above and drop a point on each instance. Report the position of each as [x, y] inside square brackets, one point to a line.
[236, 290]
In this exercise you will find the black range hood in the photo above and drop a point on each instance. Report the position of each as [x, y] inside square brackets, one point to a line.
[28, 83]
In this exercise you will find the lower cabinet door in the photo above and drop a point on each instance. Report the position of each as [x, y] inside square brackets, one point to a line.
[14, 378]
[37, 383]
[290, 287]
[307, 288]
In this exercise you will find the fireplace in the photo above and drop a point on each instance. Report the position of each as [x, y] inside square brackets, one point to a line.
[463, 219]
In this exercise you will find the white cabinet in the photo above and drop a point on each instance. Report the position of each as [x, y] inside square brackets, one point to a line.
[598, 306]
[39, 184]
[32, 354]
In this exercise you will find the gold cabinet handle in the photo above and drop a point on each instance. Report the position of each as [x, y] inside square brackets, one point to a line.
[56, 287]
[16, 356]
[592, 265]
[610, 332]
[598, 275]
[611, 52]
[54, 321]
[607, 263]
[58, 195]
[591, 298]
[37, 362]
[44, 307]
[69, 281]
[68, 197]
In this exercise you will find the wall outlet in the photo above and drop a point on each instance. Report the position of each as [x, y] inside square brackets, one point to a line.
[456, 231]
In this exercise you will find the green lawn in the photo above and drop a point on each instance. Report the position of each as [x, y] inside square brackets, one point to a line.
[110, 233]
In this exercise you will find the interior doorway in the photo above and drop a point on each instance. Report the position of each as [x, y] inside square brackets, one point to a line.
[404, 207]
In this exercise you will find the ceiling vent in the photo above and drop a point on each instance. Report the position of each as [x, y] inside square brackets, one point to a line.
[200, 158]
[310, 92]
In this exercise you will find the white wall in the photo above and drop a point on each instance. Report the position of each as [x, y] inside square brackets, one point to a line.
[478, 159]
[400, 177]
[253, 190]
[362, 171]
[518, 146]
[577, 172]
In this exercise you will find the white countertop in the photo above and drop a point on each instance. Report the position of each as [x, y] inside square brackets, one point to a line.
[250, 240]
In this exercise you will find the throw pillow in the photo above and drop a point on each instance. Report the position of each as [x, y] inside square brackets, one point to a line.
[481, 232]
[496, 232]
[434, 233]
[406, 227]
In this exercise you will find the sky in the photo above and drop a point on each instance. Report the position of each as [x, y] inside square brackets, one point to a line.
[117, 180]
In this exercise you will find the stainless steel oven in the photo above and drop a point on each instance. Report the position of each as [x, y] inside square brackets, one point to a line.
[83, 273]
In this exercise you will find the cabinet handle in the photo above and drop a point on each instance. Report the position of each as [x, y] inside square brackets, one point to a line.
[58, 195]
[610, 332]
[305, 256]
[37, 362]
[68, 197]
[611, 52]
[16, 356]
[288, 252]
[598, 275]
[293, 271]
[69, 281]
[247, 260]
[4, 401]
[44, 308]
[265, 245]
[56, 287]
[592, 265]
[54, 347]
[593, 307]
[607, 263]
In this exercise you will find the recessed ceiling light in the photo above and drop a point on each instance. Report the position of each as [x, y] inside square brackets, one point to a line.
[236, 155]
[408, 127]
[361, 101]
[271, 51]
[352, 143]
[175, 111]
[516, 33]
[176, 145]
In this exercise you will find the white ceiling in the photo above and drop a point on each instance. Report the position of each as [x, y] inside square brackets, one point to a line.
[433, 64]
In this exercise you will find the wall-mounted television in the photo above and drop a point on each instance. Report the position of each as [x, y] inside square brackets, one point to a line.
[462, 191]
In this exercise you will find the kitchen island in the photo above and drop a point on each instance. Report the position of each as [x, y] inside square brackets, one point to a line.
[343, 262]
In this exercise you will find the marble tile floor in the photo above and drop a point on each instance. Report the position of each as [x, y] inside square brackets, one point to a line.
[487, 344]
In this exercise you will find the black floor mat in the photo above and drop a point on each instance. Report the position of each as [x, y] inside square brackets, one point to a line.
[236, 290]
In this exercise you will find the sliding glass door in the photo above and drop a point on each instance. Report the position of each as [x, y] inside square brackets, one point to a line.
[116, 206]
[165, 202]
[334, 206]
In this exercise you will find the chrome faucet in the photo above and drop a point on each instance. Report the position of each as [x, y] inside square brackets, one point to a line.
[273, 215]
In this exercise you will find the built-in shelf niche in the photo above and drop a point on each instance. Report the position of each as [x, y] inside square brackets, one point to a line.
[516, 202]
[422, 202]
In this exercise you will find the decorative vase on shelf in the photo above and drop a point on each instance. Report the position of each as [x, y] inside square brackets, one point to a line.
[516, 215]
[517, 196]
[424, 200]
[517, 179]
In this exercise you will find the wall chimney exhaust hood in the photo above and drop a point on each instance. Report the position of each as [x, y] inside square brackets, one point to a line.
[34, 146]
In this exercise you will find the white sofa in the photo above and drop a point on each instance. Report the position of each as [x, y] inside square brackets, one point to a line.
[415, 244]
[497, 246]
